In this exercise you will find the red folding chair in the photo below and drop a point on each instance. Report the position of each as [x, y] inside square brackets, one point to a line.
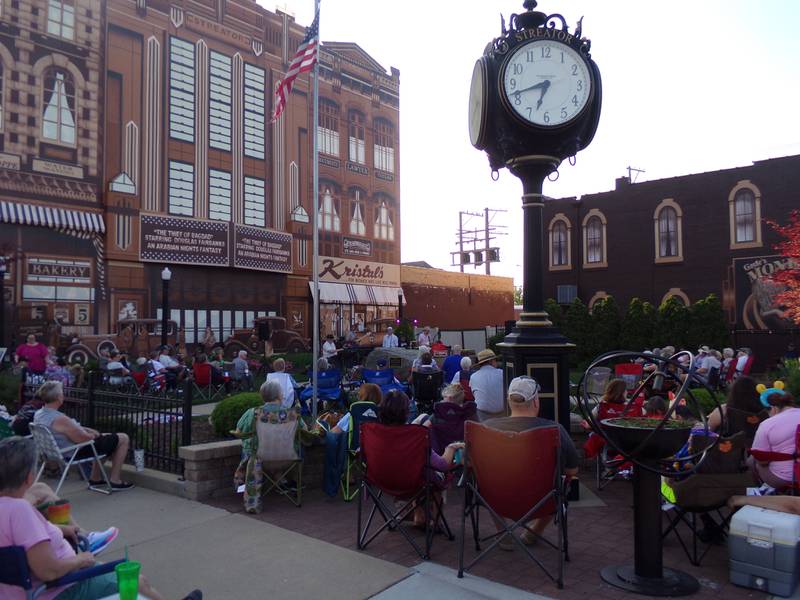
[768, 457]
[397, 463]
[631, 373]
[515, 476]
[203, 382]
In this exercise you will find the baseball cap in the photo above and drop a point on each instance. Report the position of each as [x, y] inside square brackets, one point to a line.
[523, 386]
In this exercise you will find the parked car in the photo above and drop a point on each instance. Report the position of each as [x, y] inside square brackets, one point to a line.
[136, 337]
[283, 339]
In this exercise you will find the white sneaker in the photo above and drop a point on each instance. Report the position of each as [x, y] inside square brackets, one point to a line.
[100, 540]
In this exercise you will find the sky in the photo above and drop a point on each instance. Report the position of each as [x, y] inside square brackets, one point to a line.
[688, 87]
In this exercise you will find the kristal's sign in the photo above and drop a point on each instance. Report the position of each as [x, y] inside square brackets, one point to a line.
[756, 294]
[344, 270]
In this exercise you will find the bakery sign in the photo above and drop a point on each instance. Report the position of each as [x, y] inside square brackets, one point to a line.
[345, 270]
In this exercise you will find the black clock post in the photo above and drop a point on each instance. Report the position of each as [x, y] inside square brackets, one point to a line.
[535, 101]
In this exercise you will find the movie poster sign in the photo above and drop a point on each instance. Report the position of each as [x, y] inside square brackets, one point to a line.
[184, 241]
[756, 293]
[365, 272]
[262, 249]
[356, 247]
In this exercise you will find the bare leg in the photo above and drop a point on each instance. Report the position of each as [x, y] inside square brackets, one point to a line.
[117, 460]
[788, 504]
[147, 590]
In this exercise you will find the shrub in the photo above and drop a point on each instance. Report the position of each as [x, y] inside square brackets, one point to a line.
[605, 315]
[708, 324]
[578, 328]
[555, 312]
[9, 390]
[705, 400]
[494, 340]
[672, 327]
[228, 412]
[636, 332]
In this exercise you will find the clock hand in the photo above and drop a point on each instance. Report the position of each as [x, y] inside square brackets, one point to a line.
[543, 91]
[542, 84]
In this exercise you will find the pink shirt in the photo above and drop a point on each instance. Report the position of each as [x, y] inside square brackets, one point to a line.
[23, 525]
[35, 355]
[777, 434]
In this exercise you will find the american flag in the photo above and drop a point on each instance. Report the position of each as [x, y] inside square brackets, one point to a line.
[302, 62]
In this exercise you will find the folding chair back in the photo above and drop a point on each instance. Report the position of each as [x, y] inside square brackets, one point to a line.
[511, 486]
[378, 376]
[47, 446]
[426, 386]
[448, 423]
[360, 412]
[396, 457]
[202, 374]
[14, 569]
[631, 373]
[277, 435]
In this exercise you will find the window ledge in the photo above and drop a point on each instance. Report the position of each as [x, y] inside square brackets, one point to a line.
[560, 267]
[666, 260]
[597, 265]
[743, 245]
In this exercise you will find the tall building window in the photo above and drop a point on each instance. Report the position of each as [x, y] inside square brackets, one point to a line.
[254, 81]
[58, 117]
[219, 101]
[61, 19]
[668, 218]
[219, 195]
[384, 145]
[594, 240]
[357, 224]
[384, 229]
[1, 95]
[181, 89]
[357, 153]
[328, 212]
[180, 191]
[254, 202]
[745, 211]
[328, 127]
[560, 242]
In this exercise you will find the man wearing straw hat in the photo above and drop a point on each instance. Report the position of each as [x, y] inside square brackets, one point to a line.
[487, 386]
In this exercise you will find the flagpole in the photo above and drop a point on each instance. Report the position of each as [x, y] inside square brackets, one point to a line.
[315, 243]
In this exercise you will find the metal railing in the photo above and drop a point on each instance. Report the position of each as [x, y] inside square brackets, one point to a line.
[159, 425]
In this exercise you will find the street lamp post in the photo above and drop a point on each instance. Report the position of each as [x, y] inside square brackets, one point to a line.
[400, 305]
[2, 302]
[166, 275]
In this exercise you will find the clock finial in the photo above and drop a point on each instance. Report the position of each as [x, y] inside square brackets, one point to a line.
[529, 4]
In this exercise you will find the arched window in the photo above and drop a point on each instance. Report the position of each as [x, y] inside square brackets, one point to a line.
[384, 145]
[668, 218]
[745, 215]
[599, 295]
[328, 127]
[58, 116]
[594, 240]
[328, 212]
[384, 229]
[560, 243]
[357, 153]
[678, 294]
[357, 212]
[1, 96]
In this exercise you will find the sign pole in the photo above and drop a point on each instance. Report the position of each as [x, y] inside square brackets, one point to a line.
[315, 243]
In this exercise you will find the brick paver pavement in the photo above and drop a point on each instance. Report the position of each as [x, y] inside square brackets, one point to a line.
[597, 537]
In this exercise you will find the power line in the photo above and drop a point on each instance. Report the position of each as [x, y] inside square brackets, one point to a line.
[482, 252]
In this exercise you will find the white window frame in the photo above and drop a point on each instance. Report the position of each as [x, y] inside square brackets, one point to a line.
[220, 107]
[328, 137]
[181, 89]
[358, 225]
[3, 71]
[668, 203]
[180, 188]
[384, 229]
[756, 242]
[603, 262]
[560, 218]
[357, 145]
[219, 195]
[383, 154]
[255, 210]
[61, 19]
[254, 81]
[61, 104]
[328, 215]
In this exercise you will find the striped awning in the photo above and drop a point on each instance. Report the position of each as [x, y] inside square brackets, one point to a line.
[348, 293]
[50, 216]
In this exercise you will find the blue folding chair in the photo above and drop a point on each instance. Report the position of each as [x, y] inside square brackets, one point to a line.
[360, 412]
[14, 571]
[329, 388]
[384, 379]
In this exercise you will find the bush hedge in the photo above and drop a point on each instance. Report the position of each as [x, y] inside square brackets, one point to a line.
[228, 411]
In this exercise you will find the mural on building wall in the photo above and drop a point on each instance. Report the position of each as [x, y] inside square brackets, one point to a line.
[756, 292]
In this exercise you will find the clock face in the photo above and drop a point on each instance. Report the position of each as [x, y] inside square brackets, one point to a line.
[477, 104]
[546, 83]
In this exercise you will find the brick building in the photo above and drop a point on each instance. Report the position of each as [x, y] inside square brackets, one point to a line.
[685, 237]
[176, 99]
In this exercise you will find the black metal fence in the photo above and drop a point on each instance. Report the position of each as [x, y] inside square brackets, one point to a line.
[159, 425]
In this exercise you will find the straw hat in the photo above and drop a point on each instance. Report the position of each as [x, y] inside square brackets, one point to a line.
[485, 356]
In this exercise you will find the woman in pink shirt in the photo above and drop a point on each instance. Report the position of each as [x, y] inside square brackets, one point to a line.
[34, 353]
[778, 433]
[49, 554]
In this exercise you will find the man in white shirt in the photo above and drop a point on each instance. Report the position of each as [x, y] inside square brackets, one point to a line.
[390, 339]
[329, 347]
[487, 386]
[424, 338]
[741, 362]
[285, 380]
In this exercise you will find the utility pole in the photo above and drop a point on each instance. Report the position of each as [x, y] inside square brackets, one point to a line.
[487, 261]
[631, 171]
[461, 239]
[481, 239]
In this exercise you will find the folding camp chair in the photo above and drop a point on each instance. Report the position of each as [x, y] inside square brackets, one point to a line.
[279, 453]
[448, 423]
[15, 571]
[202, 383]
[360, 412]
[767, 456]
[5, 429]
[677, 514]
[631, 373]
[527, 486]
[426, 388]
[397, 464]
[329, 389]
[384, 379]
[66, 457]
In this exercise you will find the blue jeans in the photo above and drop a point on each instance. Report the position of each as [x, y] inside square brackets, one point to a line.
[335, 460]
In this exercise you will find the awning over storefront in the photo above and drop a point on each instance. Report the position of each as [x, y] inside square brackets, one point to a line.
[347, 293]
[48, 216]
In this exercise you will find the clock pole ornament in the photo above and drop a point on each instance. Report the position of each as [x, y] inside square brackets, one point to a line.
[534, 101]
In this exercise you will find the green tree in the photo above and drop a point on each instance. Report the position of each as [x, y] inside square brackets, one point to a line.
[708, 324]
[554, 310]
[636, 332]
[518, 295]
[605, 314]
[672, 324]
[577, 326]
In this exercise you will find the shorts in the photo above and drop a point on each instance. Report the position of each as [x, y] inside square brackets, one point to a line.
[105, 444]
[91, 589]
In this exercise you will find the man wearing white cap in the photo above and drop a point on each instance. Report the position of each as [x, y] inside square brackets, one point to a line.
[487, 386]
[523, 399]
[390, 339]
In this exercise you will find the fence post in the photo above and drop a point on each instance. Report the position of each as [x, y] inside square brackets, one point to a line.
[90, 397]
[187, 415]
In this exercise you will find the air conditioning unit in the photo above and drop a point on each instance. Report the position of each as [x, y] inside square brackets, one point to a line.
[565, 294]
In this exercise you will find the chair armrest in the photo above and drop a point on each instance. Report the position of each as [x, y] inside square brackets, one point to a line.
[769, 456]
[66, 449]
[83, 574]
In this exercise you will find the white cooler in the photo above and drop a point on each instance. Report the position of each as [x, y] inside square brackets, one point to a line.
[763, 548]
